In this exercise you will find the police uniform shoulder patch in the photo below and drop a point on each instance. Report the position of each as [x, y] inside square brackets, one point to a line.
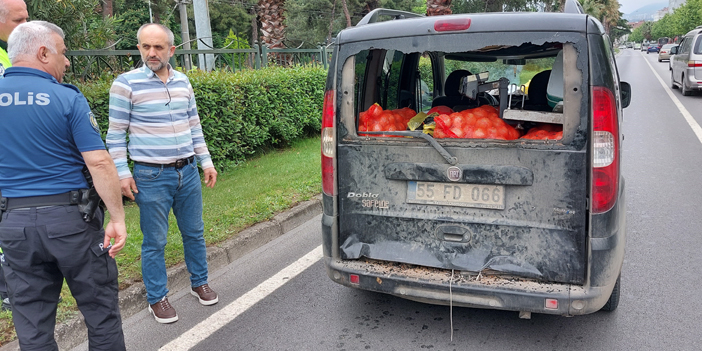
[93, 121]
[2, 70]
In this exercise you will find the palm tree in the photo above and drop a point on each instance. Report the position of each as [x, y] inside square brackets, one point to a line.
[270, 13]
[609, 14]
[438, 7]
[592, 7]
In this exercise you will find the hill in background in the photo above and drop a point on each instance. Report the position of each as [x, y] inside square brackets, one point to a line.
[645, 13]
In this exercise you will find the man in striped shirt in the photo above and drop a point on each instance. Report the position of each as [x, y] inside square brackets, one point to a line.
[155, 105]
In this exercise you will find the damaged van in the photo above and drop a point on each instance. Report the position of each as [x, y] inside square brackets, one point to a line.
[474, 160]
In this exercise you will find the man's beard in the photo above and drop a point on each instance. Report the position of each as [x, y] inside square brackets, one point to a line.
[155, 67]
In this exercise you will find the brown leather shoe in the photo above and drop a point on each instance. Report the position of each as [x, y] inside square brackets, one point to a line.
[205, 295]
[163, 311]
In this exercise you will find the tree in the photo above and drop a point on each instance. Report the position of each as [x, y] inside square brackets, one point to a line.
[82, 24]
[476, 6]
[622, 28]
[226, 17]
[308, 21]
[438, 7]
[592, 7]
[687, 17]
[128, 21]
[609, 16]
[272, 17]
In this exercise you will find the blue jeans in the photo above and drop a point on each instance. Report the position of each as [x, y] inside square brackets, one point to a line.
[160, 190]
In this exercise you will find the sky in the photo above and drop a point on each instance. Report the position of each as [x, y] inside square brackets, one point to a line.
[629, 6]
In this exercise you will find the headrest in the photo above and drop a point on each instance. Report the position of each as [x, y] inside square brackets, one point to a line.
[537, 88]
[453, 82]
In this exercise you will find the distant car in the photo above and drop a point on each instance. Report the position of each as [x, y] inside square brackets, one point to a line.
[652, 48]
[629, 45]
[637, 46]
[622, 47]
[644, 47]
[664, 53]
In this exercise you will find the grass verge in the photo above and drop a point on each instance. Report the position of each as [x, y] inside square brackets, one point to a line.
[244, 195]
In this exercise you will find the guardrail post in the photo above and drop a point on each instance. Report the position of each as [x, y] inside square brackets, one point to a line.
[264, 55]
[323, 58]
[257, 57]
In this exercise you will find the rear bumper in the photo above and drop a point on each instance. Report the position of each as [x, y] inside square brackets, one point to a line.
[692, 82]
[444, 287]
[493, 292]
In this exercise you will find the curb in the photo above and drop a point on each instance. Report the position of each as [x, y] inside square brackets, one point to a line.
[73, 332]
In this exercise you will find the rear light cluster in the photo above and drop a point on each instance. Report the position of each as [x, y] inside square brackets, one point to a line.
[328, 143]
[694, 63]
[605, 162]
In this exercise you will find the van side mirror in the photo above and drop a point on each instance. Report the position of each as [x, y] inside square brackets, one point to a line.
[625, 91]
[674, 50]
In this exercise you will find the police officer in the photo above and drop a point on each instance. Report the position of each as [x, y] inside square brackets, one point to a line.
[12, 14]
[48, 135]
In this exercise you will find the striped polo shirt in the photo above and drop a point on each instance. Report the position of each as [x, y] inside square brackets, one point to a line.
[161, 120]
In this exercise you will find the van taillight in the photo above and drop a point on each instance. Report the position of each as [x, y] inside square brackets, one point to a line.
[694, 63]
[605, 156]
[452, 24]
[328, 143]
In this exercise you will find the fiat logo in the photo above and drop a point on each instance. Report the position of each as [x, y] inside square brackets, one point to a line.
[454, 173]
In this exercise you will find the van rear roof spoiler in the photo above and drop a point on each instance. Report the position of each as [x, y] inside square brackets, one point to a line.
[573, 6]
[374, 15]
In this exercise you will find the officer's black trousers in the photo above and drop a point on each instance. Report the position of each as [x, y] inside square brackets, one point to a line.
[41, 247]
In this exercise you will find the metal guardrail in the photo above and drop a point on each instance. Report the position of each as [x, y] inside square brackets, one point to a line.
[92, 63]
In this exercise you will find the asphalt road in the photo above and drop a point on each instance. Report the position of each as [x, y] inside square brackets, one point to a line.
[261, 308]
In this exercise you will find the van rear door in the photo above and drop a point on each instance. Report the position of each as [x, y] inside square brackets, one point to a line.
[512, 207]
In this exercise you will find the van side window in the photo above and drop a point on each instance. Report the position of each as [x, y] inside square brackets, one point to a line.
[685, 46]
[698, 45]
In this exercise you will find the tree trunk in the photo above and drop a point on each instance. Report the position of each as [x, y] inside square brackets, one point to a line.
[346, 13]
[107, 9]
[270, 13]
[438, 7]
[254, 27]
[331, 23]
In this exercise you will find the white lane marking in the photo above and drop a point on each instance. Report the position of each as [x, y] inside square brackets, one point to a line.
[688, 117]
[216, 321]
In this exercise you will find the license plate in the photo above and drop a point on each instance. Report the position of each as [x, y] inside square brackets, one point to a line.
[456, 194]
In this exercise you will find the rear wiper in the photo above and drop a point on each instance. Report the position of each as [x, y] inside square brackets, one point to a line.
[445, 154]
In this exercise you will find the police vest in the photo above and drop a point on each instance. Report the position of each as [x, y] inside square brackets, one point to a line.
[4, 62]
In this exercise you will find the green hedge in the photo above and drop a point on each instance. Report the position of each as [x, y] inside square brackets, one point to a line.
[243, 111]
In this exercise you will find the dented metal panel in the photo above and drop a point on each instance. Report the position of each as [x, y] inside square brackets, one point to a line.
[541, 233]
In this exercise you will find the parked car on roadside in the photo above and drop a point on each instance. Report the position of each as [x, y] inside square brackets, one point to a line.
[637, 46]
[652, 48]
[664, 53]
[503, 198]
[687, 63]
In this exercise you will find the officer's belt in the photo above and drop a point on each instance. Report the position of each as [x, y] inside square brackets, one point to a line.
[69, 198]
